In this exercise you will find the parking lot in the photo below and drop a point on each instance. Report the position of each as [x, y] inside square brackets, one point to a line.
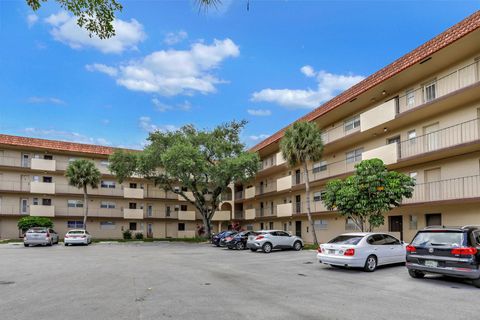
[197, 281]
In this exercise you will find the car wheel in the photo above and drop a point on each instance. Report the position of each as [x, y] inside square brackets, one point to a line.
[267, 247]
[476, 282]
[416, 274]
[253, 250]
[65, 244]
[370, 264]
[49, 244]
[240, 246]
[26, 245]
[297, 246]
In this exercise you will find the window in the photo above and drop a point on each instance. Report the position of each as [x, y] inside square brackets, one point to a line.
[24, 206]
[270, 224]
[317, 196]
[35, 201]
[284, 227]
[149, 210]
[350, 225]
[249, 227]
[410, 98]
[354, 155]
[413, 175]
[36, 179]
[352, 123]
[183, 207]
[107, 205]
[104, 163]
[181, 226]
[48, 157]
[412, 222]
[47, 179]
[75, 203]
[132, 226]
[391, 240]
[132, 205]
[167, 211]
[75, 224]
[433, 219]
[412, 135]
[376, 240]
[72, 159]
[133, 185]
[107, 225]
[46, 202]
[321, 224]
[25, 160]
[107, 184]
[319, 166]
[429, 91]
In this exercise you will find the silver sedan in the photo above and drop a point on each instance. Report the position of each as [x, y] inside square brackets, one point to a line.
[267, 240]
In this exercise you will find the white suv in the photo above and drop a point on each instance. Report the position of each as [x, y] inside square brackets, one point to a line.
[267, 240]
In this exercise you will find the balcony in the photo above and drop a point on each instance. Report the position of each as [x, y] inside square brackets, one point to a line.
[450, 189]
[43, 164]
[284, 183]
[186, 234]
[186, 215]
[315, 206]
[272, 161]
[187, 194]
[239, 195]
[42, 187]
[221, 216]
[249, 214]
[12, 161]
[132, 213]
[458, 134]
[266, 188]
[268, 211]
[42, 211]
[456, 80]
[378, 115]
[285, 210]
[250, 193]
[133, 193]
[334, 133]
[332, 169]
[238, 214]
[387, 153]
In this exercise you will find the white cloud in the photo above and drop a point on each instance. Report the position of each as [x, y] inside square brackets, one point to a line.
[65, 29]
[259, 112]
[173, 72]
[112, 72]
[145, 123]
[65, 136]
[162, 107]
[172, 38]
[45, 100]
[32, 19]
[328, 86]
[258, 137]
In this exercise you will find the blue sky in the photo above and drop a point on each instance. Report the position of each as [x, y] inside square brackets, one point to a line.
[171, 65]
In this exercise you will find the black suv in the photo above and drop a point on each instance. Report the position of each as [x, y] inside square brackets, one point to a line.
[451, 251]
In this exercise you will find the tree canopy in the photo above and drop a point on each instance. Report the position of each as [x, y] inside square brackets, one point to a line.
[205, 162]
[370, 192]
[26, 223]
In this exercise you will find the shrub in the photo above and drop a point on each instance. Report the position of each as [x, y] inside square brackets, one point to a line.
[139, 236]
[26, 223]
[127, 234]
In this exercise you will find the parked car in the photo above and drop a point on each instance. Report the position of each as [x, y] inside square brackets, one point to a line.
[217, 238]
[39, 235]
[267, 240]
[77, 236]
[227, 237]
[362, 250]
[239, 241]
[451, 251]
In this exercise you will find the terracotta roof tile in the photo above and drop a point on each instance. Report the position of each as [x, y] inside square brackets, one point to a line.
[56, 145]
[444, 39]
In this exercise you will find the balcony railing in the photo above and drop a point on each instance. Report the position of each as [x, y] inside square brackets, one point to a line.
[267, 211]
[443, 138]
[239, 195]
[331, 169]
[450, 189]
[315, 206]
[449, 83]
[335, 133]
[266, 188]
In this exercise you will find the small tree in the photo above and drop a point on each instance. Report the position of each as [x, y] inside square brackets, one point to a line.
[301, 143]
[26, 223]
[205, 162]
[81, 174]
[370, 192]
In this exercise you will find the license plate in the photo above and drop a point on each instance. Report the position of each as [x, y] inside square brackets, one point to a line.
[331, 251]
[431, 263]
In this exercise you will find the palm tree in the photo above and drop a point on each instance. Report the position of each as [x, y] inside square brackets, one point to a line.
[81, 174]
[301, 143]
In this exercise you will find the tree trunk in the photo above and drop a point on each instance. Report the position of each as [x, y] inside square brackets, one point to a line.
[85, 207]
[208, 225]
[309, 210]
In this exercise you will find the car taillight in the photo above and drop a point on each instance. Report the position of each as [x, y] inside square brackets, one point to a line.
[259, 238]
[349, 252]
[411, 249]
[319, 250]
[468, 251]
[67, 236]
[48, 235]
[83, 236]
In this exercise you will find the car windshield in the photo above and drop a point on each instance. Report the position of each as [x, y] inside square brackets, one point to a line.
[439, 238]
[75, 232]
[346, 239]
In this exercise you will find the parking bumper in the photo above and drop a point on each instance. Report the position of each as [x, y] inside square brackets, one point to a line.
[345, 261]
[467, 273]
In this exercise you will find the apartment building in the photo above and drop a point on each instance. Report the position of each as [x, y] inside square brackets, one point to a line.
[33, 182]
[420, 115]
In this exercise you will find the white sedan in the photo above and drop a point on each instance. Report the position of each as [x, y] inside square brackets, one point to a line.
[77, 236]
[362, 250]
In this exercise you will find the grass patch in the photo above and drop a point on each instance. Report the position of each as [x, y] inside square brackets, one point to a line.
[11, 241]
[191, 240]
[310, 246]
